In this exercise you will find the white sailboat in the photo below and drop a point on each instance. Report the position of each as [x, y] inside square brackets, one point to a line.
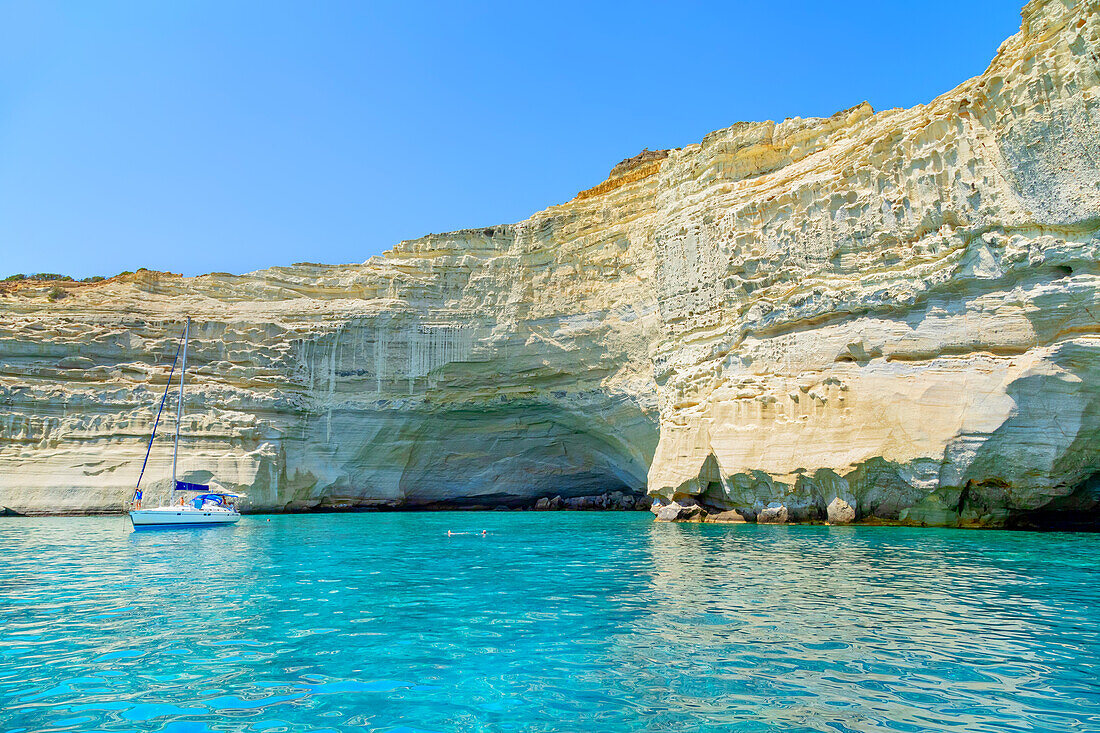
[199, 505]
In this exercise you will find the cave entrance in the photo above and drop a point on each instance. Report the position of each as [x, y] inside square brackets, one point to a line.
[712, 492]
[516, 456]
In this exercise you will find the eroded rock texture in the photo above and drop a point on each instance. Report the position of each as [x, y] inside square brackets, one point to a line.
[897, 310]
[480, 367]
[901, 309]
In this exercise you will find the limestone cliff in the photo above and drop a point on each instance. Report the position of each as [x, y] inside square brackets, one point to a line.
[899, 311]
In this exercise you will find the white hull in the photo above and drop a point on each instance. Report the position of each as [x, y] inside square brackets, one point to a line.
[165, 517]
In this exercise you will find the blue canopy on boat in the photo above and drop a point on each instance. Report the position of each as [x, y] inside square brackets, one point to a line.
[216, 498]
[185, 486]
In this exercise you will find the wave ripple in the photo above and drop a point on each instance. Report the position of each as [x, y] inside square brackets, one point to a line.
[551, 621]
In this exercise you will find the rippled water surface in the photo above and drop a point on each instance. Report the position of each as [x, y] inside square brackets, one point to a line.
[550, 621]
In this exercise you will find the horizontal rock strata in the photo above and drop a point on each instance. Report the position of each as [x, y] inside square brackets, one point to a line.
[898, 310]
[891, 316]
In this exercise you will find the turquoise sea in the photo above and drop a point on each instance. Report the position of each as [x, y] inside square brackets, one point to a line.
[549, 622]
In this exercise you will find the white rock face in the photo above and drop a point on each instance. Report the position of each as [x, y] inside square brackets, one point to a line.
[900, 310]
[477, 367]
[840, 512]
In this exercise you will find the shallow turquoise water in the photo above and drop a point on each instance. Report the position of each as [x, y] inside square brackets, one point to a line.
[552, 621]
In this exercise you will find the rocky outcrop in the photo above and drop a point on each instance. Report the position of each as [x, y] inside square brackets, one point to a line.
[891, 316]
[840, 512]
[612, 501]
[900, 310]
[685, 510]
[774, 513]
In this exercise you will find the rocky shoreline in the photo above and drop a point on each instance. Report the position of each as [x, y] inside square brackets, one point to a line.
[611, 501]
[685, 510]
[840, 513]
[688, 509]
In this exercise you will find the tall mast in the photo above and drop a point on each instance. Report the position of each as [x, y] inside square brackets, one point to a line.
[179, 405]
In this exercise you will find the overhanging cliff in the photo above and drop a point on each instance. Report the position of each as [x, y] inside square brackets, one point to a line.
[899, 310]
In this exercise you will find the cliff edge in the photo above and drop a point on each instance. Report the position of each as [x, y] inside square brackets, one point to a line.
[890, 315]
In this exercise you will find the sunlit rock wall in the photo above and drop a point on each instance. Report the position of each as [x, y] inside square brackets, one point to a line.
[900, 309]
[474, 368]
[895, 314]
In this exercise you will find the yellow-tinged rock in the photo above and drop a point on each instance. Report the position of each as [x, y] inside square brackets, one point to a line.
[896, 314]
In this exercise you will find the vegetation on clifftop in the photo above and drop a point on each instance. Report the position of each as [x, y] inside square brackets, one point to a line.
[55, 277]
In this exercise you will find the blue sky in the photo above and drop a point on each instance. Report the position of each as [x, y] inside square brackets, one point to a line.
[196, 136]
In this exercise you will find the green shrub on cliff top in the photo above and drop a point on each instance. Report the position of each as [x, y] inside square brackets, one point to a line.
[14, 278]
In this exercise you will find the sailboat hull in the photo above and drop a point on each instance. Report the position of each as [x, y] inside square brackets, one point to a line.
[169, 517]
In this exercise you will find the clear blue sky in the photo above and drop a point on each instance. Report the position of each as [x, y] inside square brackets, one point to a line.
[198, 136]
